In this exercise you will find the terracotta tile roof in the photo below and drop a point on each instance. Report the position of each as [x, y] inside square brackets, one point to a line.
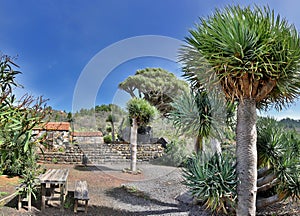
[59, 126]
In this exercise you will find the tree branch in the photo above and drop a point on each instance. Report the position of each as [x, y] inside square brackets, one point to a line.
[266, 179]
[268, 185]
[265, 90]
[263, 171]
[263, 202]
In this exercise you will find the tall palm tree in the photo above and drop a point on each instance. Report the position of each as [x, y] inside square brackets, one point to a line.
[140, 113]
[253, 55]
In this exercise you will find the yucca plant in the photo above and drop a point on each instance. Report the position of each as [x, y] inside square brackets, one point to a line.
[212, 180]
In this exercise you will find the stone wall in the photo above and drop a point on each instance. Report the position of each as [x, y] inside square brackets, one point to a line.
[146, 152]
[73, 154]
[69, 155]
[87, 137]
[54, 138]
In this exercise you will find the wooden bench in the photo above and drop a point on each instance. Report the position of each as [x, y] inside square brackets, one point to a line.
[21, 199]
[81, 193]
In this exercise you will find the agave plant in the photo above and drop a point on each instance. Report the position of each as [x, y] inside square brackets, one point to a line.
[212, 180]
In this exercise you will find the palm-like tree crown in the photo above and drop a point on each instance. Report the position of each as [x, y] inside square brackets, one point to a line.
[251, 52]
[141, 110]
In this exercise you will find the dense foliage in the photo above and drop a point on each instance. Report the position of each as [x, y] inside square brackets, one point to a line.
[199, 115]
[278, 161]
[158, 86]
[17, 119]
[252, 51]
[213, 180]
[252, 56]
[141, 110]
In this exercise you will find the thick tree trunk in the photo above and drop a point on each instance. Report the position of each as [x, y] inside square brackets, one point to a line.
[246, 153]
[133, 145]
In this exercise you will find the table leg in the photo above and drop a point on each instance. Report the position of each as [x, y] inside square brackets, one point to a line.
[62, 196]
[43, 189]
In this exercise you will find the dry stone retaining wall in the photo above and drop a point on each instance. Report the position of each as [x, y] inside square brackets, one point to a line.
[71, 155]
[76, 154]
[146, 152]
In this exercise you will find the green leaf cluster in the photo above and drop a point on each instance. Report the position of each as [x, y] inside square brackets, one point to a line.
[212, 180]
[141, 110]
[17, 120]
[250, 52]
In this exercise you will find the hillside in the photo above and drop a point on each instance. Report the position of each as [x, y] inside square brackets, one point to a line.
[291, 123]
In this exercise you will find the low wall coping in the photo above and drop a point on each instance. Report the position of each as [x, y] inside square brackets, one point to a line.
[87, 134]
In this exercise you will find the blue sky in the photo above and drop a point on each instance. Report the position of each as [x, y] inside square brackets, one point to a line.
[55, 40]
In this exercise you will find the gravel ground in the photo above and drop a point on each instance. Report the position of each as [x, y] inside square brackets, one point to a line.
[113, 193]
[156, 191]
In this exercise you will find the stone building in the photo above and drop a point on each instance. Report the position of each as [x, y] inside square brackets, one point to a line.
[57, 134]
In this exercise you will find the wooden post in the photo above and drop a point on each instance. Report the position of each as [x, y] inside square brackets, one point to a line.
[19, 202]
[86, 206]
[43, 189]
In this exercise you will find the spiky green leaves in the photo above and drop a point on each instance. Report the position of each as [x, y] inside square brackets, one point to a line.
[251, 52]
[279, 149]
[140, 110]
[212, 180]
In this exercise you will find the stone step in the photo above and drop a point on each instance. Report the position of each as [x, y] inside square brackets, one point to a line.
[94, 149]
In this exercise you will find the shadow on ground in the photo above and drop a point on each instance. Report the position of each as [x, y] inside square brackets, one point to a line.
[134, 197]
[94, 168]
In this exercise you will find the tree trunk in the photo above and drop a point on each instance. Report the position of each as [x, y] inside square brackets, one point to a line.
[199, 144]
[246, 153]
[113, 132]
[133, 144]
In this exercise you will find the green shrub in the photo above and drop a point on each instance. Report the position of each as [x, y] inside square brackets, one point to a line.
[54, 160]
[212, 180]
[175, 154]
[107, 138]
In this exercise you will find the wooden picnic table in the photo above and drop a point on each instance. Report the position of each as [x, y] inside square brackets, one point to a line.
[52, 178]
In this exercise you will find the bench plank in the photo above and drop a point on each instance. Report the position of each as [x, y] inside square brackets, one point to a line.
[81, 193]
